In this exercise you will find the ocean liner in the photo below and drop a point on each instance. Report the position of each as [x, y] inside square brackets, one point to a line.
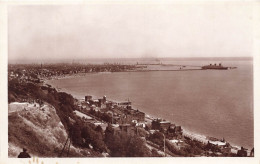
[215, 66]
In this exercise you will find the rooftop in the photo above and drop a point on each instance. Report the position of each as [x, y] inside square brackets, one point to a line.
[82, 115]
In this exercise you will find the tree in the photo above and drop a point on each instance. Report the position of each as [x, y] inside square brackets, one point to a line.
[99, 129]
[106, 117]
[117, 145]
[109, 133]
[98, 143]
[76, 134]
[157, 137]
[136, 148]
[94, 138]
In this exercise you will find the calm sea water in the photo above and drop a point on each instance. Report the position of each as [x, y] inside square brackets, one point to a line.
[215, 103]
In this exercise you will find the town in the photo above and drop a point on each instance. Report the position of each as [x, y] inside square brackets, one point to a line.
[112, 128]
[124, 119]
[35, 72]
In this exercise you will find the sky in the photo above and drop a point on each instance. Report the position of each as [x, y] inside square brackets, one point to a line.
[53, 32]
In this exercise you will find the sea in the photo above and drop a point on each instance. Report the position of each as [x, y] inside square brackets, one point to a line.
[215, 103]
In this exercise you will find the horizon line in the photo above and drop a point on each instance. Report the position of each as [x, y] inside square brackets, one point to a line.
[142, 58]
[116, 60]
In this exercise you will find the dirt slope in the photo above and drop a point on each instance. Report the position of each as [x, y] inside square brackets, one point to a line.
[38, 129]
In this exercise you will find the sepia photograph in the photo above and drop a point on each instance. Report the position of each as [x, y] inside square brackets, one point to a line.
[169, 80]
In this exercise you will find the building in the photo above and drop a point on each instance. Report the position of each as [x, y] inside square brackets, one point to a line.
[242, 152]
[139, 116]
[177, 143]
[129, 115]
[174, 131]
[142, 125]
[124, 104]
[109, 104]
[220, 144]
[88, 98]
[104, 98]
[226, 150]
[94, 102]
[102, 103]
[160, 125]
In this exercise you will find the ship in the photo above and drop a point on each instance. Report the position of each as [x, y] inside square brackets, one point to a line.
[215, 66]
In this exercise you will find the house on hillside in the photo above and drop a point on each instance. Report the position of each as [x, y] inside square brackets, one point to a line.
[160, 124]
[242, 152]
[174, 131]
[88, 98]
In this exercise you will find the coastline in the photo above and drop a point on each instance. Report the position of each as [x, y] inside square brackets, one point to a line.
[187, 133]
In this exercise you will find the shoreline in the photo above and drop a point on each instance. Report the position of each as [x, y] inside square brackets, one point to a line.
[84, 74]
[187, 133]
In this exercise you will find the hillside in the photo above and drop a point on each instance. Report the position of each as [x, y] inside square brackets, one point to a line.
[39, 130]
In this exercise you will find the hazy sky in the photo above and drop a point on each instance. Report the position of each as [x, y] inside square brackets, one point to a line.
[120, 30]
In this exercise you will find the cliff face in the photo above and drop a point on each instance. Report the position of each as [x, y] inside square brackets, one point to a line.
[38, 129]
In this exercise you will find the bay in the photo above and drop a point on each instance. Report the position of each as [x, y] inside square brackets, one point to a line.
[216, 103]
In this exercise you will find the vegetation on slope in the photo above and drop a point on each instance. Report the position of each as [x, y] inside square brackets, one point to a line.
[84, 136]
